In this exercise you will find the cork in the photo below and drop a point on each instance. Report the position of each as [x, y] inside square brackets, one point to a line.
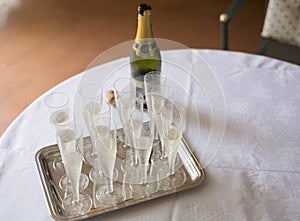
[110, 96]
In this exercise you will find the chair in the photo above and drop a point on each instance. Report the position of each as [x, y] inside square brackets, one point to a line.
[281, 29]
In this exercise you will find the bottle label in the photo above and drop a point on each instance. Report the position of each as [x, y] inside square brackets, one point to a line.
[139, 83]
[145, 48]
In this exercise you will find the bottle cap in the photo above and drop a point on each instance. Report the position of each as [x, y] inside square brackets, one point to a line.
[143, 7]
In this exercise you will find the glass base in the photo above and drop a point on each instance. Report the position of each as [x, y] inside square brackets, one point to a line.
[156, 153]
[98, 176]
[91, 158]
[134, 172]
[65, 183]
[171, 181]
[110, 199]
[122, 148]
[73, 208]
[128, 167]
[58, 165]
[144, 190]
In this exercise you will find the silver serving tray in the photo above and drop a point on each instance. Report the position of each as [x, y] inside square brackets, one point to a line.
[195, 175]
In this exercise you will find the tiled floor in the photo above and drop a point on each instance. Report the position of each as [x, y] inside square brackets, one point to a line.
[44, 42]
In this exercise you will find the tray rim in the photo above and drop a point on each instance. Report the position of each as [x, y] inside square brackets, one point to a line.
[49, 197]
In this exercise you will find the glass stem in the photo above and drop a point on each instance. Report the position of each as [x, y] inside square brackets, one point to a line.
[134, 156]
[156, 134]
[94, 152]
[163, 148]
[144, 173]
[110, 185]
[172, 158]
[75, 186]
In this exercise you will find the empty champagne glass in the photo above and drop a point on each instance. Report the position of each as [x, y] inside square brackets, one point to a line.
[93, 106]
[70, 143]
[106, 148]
[57, 104]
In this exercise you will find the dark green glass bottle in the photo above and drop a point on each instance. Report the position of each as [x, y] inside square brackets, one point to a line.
[145, 54]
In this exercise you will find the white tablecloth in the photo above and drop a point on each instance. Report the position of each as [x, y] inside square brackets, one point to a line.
[254, 176]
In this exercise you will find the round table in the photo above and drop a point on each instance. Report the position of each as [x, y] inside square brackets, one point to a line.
[254, 176]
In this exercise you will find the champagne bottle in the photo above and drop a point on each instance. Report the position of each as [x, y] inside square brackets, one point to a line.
[145, 54]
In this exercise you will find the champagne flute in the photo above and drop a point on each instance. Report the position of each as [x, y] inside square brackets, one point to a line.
[126, 100]
[156, 84]
[96, 174]
[155, 102]
[106, 148]
[163, 120]
[70, 143]
[143, 137]
[157, 90]
[133, 126]
[57, 104]
[173, 116]
[94, 106]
